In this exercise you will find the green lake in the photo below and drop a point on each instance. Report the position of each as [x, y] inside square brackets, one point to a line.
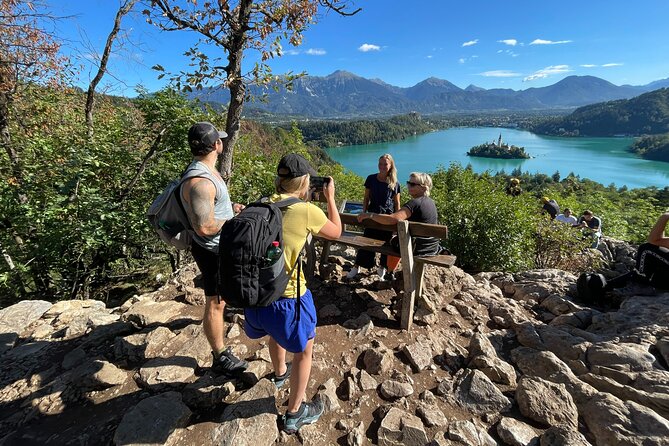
[605, 160]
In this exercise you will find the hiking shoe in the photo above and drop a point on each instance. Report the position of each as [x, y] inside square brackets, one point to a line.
[381, 272]
[307, 414]
[354, 272]
[281, 379]
[228, 364]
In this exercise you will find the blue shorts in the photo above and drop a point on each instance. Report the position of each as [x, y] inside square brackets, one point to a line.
[279, 320]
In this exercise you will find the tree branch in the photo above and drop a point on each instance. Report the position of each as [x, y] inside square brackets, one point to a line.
[142, 167]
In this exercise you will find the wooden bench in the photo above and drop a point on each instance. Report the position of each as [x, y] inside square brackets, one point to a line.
[412, 266]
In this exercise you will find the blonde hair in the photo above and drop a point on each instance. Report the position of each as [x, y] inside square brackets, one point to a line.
[391, 178]
[423, 179]
[291, 185]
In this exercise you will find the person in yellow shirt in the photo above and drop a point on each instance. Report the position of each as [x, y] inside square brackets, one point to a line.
[290, 322]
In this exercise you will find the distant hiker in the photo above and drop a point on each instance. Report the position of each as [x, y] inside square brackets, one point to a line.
[514, 188]
[592, 226]
[420, 208]
[382, 196]
[566, 217]
[290, 321]
[208, 206]
[551, 207]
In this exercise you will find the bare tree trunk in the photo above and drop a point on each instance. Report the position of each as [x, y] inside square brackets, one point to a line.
[236, 87]
[124, 8]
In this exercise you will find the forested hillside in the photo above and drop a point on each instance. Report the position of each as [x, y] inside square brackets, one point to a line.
[645, 114]
[333, 134]
[653, 147]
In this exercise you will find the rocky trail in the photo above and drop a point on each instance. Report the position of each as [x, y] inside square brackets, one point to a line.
[495, 358]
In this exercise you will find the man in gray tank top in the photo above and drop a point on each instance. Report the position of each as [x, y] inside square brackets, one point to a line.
[207, 203]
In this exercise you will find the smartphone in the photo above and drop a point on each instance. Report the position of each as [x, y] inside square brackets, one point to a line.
[318, 182]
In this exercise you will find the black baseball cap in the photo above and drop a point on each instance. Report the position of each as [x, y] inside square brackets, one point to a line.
[293, 166]
[203, 135]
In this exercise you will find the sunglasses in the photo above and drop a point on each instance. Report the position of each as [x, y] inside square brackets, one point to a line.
[410, 183]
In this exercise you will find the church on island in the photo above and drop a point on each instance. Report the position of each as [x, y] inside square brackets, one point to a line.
[498, 149]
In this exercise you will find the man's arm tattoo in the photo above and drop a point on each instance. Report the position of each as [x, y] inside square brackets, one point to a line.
[201, 210]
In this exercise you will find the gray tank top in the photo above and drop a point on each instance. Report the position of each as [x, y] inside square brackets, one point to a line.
[222, 204]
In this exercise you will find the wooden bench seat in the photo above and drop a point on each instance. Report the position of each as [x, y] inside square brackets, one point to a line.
[412, 266]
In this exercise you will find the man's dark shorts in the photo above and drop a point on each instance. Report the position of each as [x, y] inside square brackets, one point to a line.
[207, 261]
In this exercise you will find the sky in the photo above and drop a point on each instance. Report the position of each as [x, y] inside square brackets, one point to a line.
[515, 44]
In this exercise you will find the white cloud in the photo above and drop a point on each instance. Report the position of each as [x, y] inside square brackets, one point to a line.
[500, 73]
[366, 47]
[471, 42]
[474, 56]
[462, 60]
[291, 52]
[608, 65]
[548, 42]
[545, 72]
[511, 42]
[429, 57]
[316, 52]
[589, 65]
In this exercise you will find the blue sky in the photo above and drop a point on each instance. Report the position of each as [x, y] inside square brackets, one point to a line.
[514, 44]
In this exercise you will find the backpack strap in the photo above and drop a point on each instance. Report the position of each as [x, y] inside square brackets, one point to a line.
[298, 263]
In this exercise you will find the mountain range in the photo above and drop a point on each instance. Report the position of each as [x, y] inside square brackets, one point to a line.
[344, 94]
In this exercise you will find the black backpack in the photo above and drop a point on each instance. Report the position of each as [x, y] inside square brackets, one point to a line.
[245, 276]
[591, 287]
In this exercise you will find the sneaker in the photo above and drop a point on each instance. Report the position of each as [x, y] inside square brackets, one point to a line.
[307, 414]
[354, 272]
[228, 364]
[281, 379]
[381, 272]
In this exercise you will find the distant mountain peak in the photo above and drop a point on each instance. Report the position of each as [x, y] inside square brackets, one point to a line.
[472, 87]
[342, 74]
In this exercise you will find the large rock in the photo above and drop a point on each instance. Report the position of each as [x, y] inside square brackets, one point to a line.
[148, 312]
[160, 373]
[466, 432]
[546, 402]
[516, 433]
[476, 393]
[562, 436]
[97, 374]
[615, 423]
[207, 392]
[639, 319]
[401, 428]
[483, 356]
[622, 356]
[328, 394]
[391, 389]
[378, 359]
[15, 318]
[419, 355]
[251, 420]
[152, 420]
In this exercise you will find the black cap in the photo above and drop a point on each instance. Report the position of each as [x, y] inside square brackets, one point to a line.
[293, 166]
[203, 135]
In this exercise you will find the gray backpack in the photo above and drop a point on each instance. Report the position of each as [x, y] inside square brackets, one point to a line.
[167, 215]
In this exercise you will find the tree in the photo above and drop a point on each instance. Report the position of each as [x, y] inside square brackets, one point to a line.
[234, 27]
[28, 53]
[124, 8]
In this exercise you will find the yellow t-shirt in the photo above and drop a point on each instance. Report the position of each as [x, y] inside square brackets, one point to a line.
[299, 220]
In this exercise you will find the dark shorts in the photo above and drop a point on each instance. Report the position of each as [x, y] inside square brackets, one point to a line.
[207, 261]
[279, 320]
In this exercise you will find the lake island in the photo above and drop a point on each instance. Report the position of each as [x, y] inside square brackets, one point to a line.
[498, 149]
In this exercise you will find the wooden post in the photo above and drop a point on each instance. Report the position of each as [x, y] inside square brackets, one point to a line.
[419, 275]
[325, 253]
[406, 251]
